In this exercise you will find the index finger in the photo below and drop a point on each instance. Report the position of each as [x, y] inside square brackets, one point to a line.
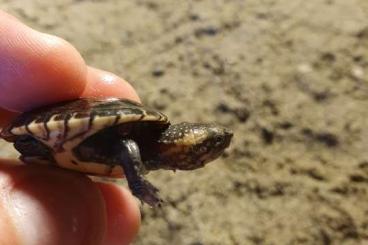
[38, 69]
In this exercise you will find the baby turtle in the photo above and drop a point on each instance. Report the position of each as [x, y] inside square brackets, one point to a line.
[112, 137]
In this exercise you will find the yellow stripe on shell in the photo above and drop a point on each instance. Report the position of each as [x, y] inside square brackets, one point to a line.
[100, 123]
[77, 126]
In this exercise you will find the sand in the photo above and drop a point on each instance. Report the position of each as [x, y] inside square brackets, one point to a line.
[288, 77]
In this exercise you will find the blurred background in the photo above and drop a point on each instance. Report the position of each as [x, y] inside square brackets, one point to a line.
[290, 79]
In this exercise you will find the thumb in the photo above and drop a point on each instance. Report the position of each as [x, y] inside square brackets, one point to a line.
[42, 206]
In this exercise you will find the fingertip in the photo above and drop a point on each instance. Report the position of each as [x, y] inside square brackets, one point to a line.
[36, 68]
[52, 206]
[102, 84]
[123, 215]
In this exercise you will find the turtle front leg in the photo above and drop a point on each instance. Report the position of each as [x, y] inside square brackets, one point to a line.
[130, 160]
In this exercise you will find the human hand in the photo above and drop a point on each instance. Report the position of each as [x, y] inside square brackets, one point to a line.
[40, 205]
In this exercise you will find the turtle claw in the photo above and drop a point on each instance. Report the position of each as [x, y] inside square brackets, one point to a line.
[146, 193]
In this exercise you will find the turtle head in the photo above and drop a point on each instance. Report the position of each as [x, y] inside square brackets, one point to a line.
[187, 146]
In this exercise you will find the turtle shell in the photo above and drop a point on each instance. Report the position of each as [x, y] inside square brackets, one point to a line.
[78, 119]
[65, 125]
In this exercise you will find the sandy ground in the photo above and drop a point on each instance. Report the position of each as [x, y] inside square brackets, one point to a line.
[289, 77]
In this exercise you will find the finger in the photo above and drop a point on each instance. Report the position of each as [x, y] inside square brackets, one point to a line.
[36, 68]
[123, 216]
[102, 84]
[41, 206]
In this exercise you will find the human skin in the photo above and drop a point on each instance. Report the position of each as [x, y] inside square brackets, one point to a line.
[41, 204]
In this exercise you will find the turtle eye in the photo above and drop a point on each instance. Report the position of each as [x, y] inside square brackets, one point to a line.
[218, 139]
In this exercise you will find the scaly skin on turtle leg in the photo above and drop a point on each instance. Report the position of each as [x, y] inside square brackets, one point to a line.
[133, 169]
